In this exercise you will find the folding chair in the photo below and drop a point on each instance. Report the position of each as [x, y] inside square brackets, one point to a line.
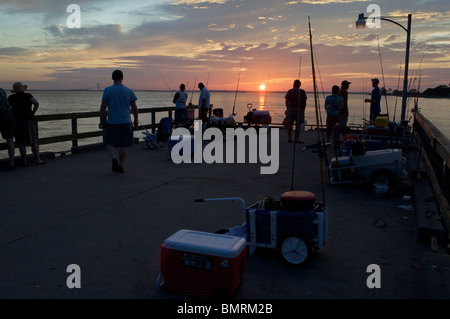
[161, 136]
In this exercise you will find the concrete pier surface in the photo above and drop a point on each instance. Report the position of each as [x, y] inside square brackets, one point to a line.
[74, 210]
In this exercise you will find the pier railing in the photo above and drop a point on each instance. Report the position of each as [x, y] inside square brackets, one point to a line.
[75, 136]
[435, 152]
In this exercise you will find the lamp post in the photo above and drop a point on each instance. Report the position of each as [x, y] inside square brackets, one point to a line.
[361, 24]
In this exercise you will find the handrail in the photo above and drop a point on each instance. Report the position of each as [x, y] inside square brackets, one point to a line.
[434, 148]
[75, 136]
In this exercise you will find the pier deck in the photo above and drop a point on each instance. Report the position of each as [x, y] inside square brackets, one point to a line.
[74, 210]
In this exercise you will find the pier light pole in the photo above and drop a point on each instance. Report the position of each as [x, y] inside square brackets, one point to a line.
[361, 24]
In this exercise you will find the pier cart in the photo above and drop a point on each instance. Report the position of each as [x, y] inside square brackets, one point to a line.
[297, 225]
[379, 167]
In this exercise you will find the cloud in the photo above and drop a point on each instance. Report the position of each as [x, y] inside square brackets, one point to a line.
[330, 1]
[17, 52]
[195, 2]
[175, 36]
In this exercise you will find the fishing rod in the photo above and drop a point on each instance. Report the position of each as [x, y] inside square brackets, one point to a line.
[418, 88]
[237, 87]
[299, 68]
[297, 128]
[193, 88]
[168, 87]
[267, 87]
[398, 87]
[207, 81]
[319, 142]
[324, 98]
[382, 73]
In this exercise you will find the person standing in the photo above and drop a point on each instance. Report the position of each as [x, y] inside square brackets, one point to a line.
[203, 103]
[343, 92]
[179, 100]
[333, 106]
[117, 125]
[24, 107]
[375, 100]
[7, 126]
[295, 101]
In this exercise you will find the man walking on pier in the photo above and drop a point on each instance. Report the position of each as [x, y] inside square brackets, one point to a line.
[118, 128]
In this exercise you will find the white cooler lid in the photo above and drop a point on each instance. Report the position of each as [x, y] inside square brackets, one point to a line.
[206, 243]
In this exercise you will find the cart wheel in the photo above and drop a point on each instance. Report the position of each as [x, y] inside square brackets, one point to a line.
[382, 177]
[160, 281]
[294, 250]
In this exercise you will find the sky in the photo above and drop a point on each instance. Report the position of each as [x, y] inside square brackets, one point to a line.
[226, 44]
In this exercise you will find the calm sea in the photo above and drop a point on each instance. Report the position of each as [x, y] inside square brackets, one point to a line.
[57, 102]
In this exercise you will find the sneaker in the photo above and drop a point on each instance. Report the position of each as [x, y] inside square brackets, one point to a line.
[115, 166]
[120, 169]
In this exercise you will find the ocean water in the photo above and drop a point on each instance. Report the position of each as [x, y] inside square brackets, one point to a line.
[437, 110]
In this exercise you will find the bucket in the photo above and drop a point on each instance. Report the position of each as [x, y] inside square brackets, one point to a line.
[380, 190]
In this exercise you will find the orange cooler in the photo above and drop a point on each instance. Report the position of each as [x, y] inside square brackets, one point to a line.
[203, 265]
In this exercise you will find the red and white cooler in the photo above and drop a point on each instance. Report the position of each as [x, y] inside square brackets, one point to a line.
[203, 265]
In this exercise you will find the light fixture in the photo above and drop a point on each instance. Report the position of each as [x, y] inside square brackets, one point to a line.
[361, 22]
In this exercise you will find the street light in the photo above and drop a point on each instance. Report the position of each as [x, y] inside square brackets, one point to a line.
[361, 24]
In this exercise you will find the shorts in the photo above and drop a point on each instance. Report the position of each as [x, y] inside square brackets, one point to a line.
[203, 114]
[119, 135]
[26, 132]
[7, 125]
[293, 115]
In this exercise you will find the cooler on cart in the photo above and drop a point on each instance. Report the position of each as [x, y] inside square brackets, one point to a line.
[202, 265]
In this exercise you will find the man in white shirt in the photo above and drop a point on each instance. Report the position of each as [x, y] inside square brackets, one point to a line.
[180, 99]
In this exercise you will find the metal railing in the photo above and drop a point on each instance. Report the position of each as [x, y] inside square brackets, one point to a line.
[434, 148]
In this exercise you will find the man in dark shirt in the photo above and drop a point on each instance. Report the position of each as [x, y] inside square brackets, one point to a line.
[345, 85]
[24, 106]
[375, 100]
[7, 126]
[295, 110]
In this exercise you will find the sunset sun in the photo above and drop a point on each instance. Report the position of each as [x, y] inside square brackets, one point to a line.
[262, 87]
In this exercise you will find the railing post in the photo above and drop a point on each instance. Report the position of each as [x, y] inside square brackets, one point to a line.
[37, 129]
[74, 132]
[153, 122]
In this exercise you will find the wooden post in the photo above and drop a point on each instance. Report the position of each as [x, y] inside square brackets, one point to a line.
[75, 132]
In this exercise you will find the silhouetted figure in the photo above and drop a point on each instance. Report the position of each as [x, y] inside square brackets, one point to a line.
[118, 128]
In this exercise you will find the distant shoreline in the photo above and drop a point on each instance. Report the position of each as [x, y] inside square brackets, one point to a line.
[228, 91]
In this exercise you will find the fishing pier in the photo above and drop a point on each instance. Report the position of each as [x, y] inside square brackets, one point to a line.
[74, 210]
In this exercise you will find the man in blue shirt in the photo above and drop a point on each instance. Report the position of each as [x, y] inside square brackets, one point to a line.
[375, 100]
[118, 136]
